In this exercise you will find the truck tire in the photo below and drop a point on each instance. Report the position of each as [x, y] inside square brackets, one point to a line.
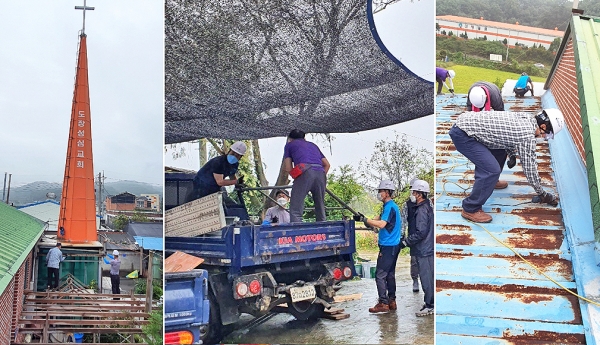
[214, 333]
[305, 310]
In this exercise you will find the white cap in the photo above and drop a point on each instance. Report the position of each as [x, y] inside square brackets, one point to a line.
[557, 119]
[239, 148]
[386, 184]
[477, 97]
[420, 186]
[115, 252]
[451, 73]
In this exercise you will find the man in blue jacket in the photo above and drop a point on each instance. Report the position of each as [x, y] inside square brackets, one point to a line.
[421, 241]
[523, 85]
[389, 224]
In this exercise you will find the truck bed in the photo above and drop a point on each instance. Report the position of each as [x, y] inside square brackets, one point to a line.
[253, 245]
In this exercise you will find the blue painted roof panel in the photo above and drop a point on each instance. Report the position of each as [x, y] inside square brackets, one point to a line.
[483, 289]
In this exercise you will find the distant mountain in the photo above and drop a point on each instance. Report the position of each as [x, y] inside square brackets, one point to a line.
[37, 191]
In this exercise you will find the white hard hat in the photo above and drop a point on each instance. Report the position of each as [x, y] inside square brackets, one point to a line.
[412, 181]
[420, 186]
[115, 252]
[239, 148]
[477, 97]
[556, 119]
[451, 73]
[386, 184]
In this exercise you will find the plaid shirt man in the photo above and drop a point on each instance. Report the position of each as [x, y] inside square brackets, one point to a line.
[511, 131]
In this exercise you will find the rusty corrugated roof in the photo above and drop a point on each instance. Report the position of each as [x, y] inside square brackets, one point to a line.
[484, 291]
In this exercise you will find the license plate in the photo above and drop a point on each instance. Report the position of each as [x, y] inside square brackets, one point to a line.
[303, 293]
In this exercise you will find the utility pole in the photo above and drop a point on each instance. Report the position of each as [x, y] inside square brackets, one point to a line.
[8, 193]
[4, 189]
[149, 287]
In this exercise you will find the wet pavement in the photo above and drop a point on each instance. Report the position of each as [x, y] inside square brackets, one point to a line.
[396, 327]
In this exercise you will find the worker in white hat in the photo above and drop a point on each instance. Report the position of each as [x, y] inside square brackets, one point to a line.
[115, 267]
[484, 96]
[219, 172]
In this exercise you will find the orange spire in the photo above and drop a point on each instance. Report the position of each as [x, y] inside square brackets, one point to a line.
[77, 220]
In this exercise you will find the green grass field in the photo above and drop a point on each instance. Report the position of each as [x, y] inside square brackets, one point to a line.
[466, 76]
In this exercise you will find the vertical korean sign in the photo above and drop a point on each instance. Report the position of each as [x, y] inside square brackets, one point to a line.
[77, 220]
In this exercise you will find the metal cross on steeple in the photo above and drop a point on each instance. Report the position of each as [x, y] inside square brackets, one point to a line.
[84, 8]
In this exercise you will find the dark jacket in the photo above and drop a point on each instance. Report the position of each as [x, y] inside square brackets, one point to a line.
[420, 232]
[496, 102]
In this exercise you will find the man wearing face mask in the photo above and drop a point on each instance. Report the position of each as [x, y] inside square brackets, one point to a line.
[218, 172]
[389, 224]
[420, 240]
[278, 214]
[483, 137]
[407, 212]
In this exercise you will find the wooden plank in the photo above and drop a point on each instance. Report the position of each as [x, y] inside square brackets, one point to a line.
[334, 311]
[196, 217]
[345, 298]
[181, 262]
[335, 316]
[122, 330]
[69, 322]
[71, 313]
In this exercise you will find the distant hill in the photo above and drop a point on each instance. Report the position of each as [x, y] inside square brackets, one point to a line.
[36, 191]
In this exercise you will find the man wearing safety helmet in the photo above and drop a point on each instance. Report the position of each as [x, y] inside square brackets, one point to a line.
[115, 267]
[484, 96]
[522, 86]
[389, 224]
[483, 137]
[441, 75]
[213, 175]
[420, 240]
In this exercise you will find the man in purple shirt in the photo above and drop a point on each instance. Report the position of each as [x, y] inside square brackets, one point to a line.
[305, 157]
[441, 75]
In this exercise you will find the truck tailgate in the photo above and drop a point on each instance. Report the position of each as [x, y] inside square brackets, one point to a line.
[186, 300]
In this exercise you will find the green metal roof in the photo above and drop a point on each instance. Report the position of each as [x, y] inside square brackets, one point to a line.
[19, 232]
[586, 43]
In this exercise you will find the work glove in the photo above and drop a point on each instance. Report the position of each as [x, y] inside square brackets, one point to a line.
[240, 183]
[275, 219]
[545, 198]
[451, 90]
[403, 243]
[359, 217]
[512, 161]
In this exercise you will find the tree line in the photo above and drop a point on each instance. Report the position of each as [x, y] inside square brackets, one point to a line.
[548, 14]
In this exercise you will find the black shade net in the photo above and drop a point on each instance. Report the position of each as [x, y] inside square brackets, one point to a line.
[251, 69]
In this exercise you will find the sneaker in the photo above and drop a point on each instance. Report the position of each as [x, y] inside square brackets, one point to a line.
[477, 217]
[424, 311]
[393, 305]
[415, 285]
[501, 184]
[380, 308]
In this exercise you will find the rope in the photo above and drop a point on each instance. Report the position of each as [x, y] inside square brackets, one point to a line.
[537, 269]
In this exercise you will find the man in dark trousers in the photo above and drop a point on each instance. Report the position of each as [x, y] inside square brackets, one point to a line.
[115, 278]
[389, 235]
[484, 96]
[407, 213]
[484, 136]
[523, 85]
[53, 260]
[420, 239]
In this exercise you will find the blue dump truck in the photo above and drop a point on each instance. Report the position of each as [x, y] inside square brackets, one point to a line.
[255, 269]
[186, 307]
